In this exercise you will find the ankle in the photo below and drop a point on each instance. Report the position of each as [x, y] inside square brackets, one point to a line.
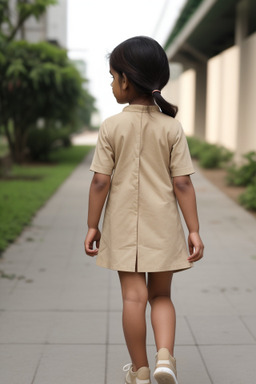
[135, 369]
[165, 350]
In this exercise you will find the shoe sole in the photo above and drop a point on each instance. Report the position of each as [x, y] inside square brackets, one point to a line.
[165, 376]
[141, 381]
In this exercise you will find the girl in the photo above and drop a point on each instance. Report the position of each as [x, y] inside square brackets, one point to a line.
[145, 152]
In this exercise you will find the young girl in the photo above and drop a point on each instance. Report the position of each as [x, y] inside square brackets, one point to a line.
[142, 163]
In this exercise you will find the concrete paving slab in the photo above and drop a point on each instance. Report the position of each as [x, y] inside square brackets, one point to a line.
[190, 366]
[243, 300]
[88, 293]
[117, 358]
[202, 301]
[19, 363]
[250, 322]
[78, 328]
[25, 327]
[219, 330]
[30, 298]
[230, 364]
[76, 364]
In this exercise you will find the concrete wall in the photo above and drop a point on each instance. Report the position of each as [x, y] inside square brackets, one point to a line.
[57, 23]
[181, 92]
[223, 98]
[246, 140]
[230, 99]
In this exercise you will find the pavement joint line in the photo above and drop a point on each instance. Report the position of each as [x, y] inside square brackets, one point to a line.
[47, 343]
[198, 349]
[37, 367]
[107, 327]
[241, 317]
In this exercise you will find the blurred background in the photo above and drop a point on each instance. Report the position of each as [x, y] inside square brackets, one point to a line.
[55, 85]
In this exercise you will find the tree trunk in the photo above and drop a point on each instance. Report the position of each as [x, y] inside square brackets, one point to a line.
[9, 139]
[19, 147]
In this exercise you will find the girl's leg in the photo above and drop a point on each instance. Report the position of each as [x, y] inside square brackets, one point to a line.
[163, 316]
[135, 296]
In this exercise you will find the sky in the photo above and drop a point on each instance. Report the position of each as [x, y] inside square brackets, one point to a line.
[96, 27]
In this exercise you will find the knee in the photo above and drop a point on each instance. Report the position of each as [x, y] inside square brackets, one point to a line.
[136, 296]
[152, 296]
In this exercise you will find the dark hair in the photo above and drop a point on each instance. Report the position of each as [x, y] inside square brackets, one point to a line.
[146, 66]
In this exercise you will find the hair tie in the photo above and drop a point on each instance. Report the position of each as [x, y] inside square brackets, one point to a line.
[156, 90]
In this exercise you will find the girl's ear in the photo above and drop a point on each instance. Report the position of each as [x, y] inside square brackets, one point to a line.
[125, 82]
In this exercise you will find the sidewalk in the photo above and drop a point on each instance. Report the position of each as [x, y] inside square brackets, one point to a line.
[60, 315]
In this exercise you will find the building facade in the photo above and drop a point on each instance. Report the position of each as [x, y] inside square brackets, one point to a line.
[52, 26]
[216, 88]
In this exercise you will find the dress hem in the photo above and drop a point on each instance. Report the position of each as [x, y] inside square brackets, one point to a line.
[165, 269]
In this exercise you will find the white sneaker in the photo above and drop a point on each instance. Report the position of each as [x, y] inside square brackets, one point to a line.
[142, 376]
[165, 371]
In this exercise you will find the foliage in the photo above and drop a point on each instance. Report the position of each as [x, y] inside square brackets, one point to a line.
[29, 187]
[245, 174]
[37, 81]
[248, 198]
[42, 141]
[209, 155]
[195, 146]
[213, 156]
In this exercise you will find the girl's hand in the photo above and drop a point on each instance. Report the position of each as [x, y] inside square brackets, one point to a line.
[196, 247]
[93, 235]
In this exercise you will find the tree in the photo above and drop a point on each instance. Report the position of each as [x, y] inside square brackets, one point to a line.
[37, 81]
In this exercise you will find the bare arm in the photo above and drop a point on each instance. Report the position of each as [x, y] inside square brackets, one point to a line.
[185, 193]
[98, 192]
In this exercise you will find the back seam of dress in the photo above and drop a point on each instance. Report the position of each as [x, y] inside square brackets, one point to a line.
[138, 192]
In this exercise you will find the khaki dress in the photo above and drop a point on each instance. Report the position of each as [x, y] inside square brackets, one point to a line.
[142, 149]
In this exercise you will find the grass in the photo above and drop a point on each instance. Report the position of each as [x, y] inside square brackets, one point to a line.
[29, 187]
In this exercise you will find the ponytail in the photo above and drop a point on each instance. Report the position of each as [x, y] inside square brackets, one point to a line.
[167, 108]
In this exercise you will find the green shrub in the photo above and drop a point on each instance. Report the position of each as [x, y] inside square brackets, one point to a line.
[248, 198]
[209, 155]
[64, 137]
[39, 143]
[214, 156]
[244, 175]
[195, 146]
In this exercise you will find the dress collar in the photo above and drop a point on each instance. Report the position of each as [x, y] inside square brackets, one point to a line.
[141, 108]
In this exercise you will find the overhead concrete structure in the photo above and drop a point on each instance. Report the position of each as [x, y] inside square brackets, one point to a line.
[216, 40]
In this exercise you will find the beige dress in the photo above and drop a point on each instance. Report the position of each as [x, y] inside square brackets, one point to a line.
[142, 149]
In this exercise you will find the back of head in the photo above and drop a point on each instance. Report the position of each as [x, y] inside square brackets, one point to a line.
[146, 66]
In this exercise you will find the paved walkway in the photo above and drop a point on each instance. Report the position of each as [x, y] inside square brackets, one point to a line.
[60, 315]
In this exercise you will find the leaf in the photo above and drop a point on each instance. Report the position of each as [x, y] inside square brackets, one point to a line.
[16, 70]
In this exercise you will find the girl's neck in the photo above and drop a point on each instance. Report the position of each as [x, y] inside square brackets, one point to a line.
[142, 100]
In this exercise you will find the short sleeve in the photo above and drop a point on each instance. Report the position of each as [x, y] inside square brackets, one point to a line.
[104, 158]
[180, 159]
